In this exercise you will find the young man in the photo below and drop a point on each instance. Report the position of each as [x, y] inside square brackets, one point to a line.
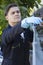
[16, 38]
[15, 46]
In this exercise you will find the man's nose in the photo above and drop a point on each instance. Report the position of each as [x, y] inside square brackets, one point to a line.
[16, 13]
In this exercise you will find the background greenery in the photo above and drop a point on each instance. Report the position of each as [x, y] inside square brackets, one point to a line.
[25, 7]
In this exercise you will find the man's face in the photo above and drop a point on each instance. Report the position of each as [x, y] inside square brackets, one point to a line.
[14, 15]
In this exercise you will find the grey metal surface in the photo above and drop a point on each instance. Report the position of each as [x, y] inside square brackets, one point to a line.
[1, 57]
[37, 49]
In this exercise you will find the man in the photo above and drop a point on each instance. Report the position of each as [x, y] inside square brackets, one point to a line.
[16, 39]
[14, 47]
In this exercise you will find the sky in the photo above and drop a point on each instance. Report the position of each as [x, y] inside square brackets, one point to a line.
[41, 1]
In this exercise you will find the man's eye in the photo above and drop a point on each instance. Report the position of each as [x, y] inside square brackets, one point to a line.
[18, 11]
[13, 12]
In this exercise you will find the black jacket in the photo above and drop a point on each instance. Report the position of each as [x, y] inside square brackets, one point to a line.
[15, 48]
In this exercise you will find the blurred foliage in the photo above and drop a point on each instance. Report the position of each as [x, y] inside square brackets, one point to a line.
[24, 5]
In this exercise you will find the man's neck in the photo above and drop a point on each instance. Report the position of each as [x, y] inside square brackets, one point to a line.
[13, 24]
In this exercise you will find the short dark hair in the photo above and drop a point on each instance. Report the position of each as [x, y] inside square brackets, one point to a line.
[9, 6]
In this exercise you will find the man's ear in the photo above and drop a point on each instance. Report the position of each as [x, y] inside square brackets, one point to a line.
[6, 17]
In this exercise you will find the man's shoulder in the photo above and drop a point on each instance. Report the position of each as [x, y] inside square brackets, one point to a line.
[4, 30]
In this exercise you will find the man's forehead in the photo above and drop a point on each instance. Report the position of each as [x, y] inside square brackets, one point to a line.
[14, 9]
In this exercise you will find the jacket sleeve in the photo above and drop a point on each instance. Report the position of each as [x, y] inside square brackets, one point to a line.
[9, 34]
[28, 38]
[28, 35]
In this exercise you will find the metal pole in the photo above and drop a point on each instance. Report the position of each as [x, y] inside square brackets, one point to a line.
[33, 44]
